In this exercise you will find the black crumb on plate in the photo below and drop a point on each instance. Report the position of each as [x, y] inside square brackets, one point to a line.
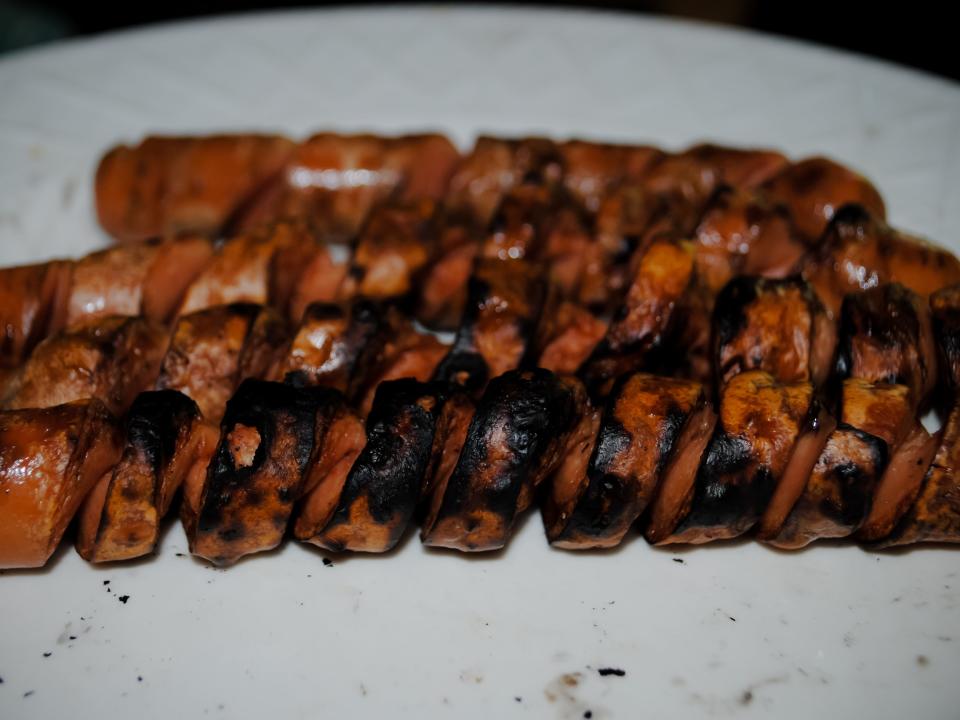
[139, 678]
[47, 654]
[679, 560]
[328, 562]
[588, 714]
[515, 697]
[611, 671]
[123, 598]
[28, 693]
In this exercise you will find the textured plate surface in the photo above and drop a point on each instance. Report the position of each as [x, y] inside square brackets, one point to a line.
[726, 631]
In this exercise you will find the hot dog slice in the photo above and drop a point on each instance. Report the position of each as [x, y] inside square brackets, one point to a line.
[255, 474]
[120, 518]
[112, 359]
[613, 464]
[50, 458]
[515, 439]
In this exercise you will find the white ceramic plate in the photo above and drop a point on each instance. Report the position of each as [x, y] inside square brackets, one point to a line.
[738, 630]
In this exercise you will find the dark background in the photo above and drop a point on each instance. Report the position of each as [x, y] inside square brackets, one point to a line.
[919, 34]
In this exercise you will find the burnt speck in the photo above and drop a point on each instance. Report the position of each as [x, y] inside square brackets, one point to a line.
[72, 637]
[327, 562]
[106, 582]
[123, 598]
[28, 693]
[680, 560]
[923, 660]
[180, 555]
[139, 678]
[588, 714]
[47, 654]
[747, 697]
[732, 618]
[518, 698]
[611, 671]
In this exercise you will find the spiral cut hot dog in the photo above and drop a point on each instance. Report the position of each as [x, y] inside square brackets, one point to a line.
[701, 345]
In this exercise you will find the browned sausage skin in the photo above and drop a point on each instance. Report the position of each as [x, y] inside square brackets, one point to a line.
[494, 167]
[885, 335]
[858, 251]
[394, 247]
[213, 350]
[778, 326]
[404, 353]
[442, 291]
[112, 359]
[758, 425]
[813, 190]
[255, 474]
[592, 170]
[900, 483]
[120, 518]
[660, 290]
[171, 185]
[945, 316]
[33, 305]
[514, 440]
[838, 495]
[50, 458]
[814, 436]
[613, 462]
[331, 182]
[339, 438]
[383, 487]
[741, 233]
[570, 335]
[504, 304]
[935, 514]
[335, 346]
[147, 277]
[262, 267]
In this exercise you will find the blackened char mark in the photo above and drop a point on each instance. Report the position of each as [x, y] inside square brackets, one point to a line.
[257, 404]
[840, 489]
[512, 442]
[729, 312]
[885, 336]
[383, 487]
[609, 497]
[731, 492]
[155, 421]
[945, 312]
[611, 501]
[857, 477]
